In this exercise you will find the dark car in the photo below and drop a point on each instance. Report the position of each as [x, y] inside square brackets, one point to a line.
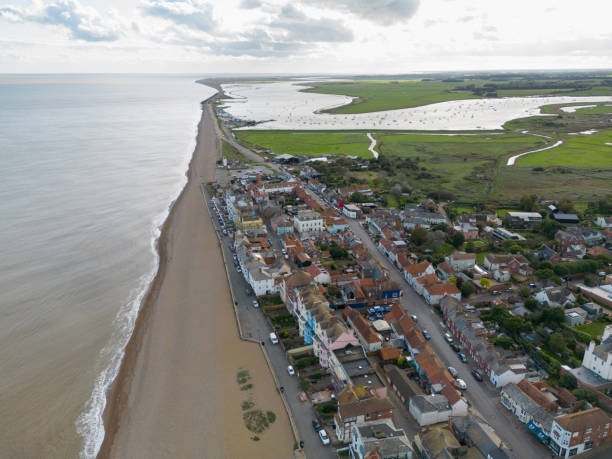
[462, 357]
[316, 425]
[477, 376]
[455, 347]
[426, 335]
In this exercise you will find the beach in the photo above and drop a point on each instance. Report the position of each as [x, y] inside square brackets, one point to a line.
[176, 394]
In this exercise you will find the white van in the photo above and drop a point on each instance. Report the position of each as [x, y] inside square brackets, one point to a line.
[273, 338]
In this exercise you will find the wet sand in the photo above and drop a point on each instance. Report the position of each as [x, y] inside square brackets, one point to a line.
[176, 394]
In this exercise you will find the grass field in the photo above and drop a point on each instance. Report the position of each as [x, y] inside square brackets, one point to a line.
[595, 329]
[593, 150]
[463, 165]
[308, 143]
[599, 110]
[231, 153]
[378, 95]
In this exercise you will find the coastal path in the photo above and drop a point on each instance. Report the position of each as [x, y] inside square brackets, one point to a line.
[482, 396]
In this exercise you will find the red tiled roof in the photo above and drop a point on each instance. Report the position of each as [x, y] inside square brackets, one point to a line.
[444, 288]
[418, 268]
[389, 353]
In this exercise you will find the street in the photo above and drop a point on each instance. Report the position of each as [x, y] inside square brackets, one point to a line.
[481, 396]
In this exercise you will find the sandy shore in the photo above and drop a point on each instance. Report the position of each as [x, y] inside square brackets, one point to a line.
[176, 394]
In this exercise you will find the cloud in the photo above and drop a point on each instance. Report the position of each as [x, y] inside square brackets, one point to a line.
[382, 12]
[195, 14]
[250, 4]
[83, 22]
[298, 27]
[466, 18]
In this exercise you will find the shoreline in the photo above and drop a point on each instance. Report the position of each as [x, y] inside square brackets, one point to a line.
[116, 398]
[173, 395]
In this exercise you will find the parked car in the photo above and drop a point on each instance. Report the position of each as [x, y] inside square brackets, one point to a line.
[273, 338]
[255, 304]
[477, 376]
[448, 337]
[324, 437]
[316, 425]
[426, 335]
[290, 370]
[455, 347]
[414, 318]
[453, 372]
[462, 384]
[462, 357]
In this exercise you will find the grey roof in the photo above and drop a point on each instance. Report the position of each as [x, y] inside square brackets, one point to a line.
[399, 380]
[430, 403]
[540, 415]
[481, 435]
[603, 349]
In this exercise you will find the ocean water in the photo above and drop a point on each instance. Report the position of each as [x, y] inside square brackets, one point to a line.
[88, 168]
[282, 105]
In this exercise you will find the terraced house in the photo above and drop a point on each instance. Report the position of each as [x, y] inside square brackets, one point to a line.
[577, 433]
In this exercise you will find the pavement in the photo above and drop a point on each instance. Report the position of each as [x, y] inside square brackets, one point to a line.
[482, 397]
[254, 325]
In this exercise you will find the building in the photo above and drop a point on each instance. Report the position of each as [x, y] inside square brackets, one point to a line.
[576, 433]
[571, 243]
[566, 219]
[351, 211]
[475, 433]
[413, 272]
[523, 219]
[598, 358]
[307, 222]
[360, 412]
[429, 409]
[537, 418]
[604, 222]
[368, 338]
[461, 261]
[575, 316]
[468, 230]
[434, 293]
[380, 440]
[437, 443]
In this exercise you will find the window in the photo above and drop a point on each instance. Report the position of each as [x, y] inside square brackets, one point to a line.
[589, 430]
[588, 445]
[573, 451]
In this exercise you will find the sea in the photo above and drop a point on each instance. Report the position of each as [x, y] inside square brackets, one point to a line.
[89, 166]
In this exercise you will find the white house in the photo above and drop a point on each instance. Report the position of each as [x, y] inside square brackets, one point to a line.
[307, 222]
[599, 358]
[526, 409]
[380, 439]
[434, 293]
[429, 409]
[501, 274]
[461, 261]
[351, 211]
[413, 272]
[576, 433]
[604, 222]
[503, 374]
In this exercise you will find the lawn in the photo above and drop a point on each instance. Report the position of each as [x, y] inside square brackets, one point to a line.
[599, 110]
[595, 329]
[309, 143]
[593, 150]
[231, 153]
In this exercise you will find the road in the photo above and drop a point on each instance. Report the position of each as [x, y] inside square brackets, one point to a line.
[254, 325]
[481, 396]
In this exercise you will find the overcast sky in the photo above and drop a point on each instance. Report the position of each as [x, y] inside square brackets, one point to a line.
[302, 36]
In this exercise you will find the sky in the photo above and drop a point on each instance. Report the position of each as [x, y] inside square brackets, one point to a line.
[302, 36]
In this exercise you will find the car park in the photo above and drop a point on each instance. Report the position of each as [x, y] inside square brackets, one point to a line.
[290, 370]
[462, 357]
[426, 335]
[324, 437]
[316, 425]
[477, 376]
[461, 383]
[453, 372]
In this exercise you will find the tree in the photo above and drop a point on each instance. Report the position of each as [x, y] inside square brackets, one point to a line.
[548, 227]
[565, 205]
[531, 303]
[418, 236]
[469, 247]
[556, 343]
[452, 280]
[568, 381]
[527, 202]
[586, 394]
[338, 253]
[467, 289]
[485, 283]
[457, 239]
[524, 291]
[513, 325]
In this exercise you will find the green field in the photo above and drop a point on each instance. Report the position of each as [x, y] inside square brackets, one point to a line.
[595, 329]
[576, 151]
[308, 143]
[599, 110]
[377, 95]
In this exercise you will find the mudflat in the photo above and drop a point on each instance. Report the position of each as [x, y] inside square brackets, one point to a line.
[177, 393]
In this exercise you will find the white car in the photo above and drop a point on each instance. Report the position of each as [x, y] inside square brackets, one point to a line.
[273, 338]
[462, 384]
[324, 437]
[290, 370]
[453, 372]
[255, 304]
